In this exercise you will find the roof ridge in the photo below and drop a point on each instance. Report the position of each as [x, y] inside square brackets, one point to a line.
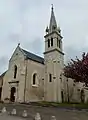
[3, 74]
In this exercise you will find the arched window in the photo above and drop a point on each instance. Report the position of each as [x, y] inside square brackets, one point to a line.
[50, 77]
[59, 44]
[48, 42]
[82, 96]
[15, 71]
[34, 78]
[62, 95]
[51, 41]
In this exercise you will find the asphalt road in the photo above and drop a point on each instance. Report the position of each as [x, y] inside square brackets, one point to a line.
[45, 112]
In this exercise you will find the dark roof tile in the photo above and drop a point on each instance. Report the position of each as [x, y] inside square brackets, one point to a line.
[33, 57]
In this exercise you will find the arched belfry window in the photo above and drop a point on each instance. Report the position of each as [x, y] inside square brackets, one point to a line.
[15, 71]
[48, 43]
[51, 41]
[59, 44]
[34, 78]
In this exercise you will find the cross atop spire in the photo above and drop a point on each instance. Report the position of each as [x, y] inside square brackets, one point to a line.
[52, 6]
[53, 24]
[18, 44]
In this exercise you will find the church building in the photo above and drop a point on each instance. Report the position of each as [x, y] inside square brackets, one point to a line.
[32, 78]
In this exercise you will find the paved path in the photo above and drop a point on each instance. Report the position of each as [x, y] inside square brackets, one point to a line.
[6, 117]
[45, 112]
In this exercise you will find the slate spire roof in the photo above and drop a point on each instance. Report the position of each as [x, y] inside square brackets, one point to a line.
[53, 22]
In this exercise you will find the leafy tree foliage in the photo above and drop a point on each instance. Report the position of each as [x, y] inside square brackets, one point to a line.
[78, 69]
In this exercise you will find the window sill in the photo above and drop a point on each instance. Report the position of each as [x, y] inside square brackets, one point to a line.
[34, 85]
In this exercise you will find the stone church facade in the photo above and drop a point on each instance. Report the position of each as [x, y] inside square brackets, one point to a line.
[32, 78]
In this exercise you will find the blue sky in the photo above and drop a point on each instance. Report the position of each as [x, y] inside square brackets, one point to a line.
[25, 21]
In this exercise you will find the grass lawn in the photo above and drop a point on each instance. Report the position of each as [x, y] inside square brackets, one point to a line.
[66, 105]
[56, 104]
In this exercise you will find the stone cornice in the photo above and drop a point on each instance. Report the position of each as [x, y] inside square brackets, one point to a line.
[54, 50]
[52, 33]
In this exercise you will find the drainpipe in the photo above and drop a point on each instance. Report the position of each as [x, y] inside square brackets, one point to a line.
[25, 79]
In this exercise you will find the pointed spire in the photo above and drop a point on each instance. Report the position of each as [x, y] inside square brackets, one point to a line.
[53, 24]
[52, 6]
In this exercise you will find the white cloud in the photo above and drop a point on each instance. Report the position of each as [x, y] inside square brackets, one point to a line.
[24, 21]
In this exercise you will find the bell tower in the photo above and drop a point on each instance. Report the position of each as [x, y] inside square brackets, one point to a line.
[54, 60]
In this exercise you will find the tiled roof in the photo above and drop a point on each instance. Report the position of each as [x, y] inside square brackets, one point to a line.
[33, 57]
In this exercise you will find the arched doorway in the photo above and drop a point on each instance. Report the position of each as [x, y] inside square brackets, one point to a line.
[62, 96]
[0, 92]
[82, 96]
[12, 96]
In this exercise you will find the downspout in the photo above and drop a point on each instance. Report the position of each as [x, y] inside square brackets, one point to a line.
[25, 79]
